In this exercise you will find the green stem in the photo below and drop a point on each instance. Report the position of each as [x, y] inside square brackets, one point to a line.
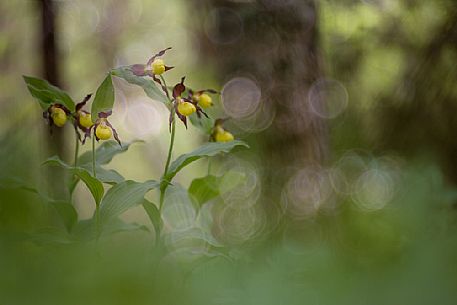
[93, 156]
[97, 220]
[167, 164]
[76, 149]
[75, 179]
[164, 184]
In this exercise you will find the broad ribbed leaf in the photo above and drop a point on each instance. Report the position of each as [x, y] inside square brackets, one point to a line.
[104, 97]
[104, 153]
[48, 94]
[203, 123]
[147, 84]
[153, 213]
[205, 188]
[207, 150]
[122, 197]
[87, 229]
[94, 185]
[66, 211]
[109, 176]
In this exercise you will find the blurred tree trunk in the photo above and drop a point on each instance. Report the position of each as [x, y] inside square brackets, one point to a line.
[275, 42]
[426, 98]
[51, 72]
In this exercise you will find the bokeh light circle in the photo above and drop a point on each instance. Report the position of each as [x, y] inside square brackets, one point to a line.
[373, 190]
[241, 97]
[143, 119]
[327, 98]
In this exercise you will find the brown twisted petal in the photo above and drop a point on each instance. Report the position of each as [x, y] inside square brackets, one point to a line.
[104, 115]
[83, 102]
[164, 89]
[116, 136]
[157, 55]
[179, 88]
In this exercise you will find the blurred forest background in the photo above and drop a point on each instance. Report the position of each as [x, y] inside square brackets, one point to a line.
[350, 189]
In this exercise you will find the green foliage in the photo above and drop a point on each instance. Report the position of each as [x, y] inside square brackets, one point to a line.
[104, 98]
[207, 150]
[47, 94]
[124, 196]
[94, 185]
[104, 153]
[148, 85]
[67, 213]
[209, 187]
[154, 214]
[203, 123]
[205, 188]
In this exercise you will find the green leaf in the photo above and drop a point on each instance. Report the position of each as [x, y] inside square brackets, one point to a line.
[48, 94]
[153, 213]
[207, 150]
[51, 236]
[66, 211]
[205, 188]
[122, 197]
[94, 185]
[148, 85]
[203, 123]
[104, 153]
[104, 97]
[109, 176]
[87, 229]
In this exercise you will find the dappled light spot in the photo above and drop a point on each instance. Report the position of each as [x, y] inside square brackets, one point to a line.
[327, 98]
[306, 192]
[241, 97]
[178, 213]
[373, 190]
[143, 119]
[235, 226]
[258, 121]
[241, 185]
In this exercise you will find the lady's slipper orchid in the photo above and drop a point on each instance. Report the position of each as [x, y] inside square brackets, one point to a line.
[56, 115]
[155, 66]
[184, 106]
[219, 134]
[83, 119]
[201, 98]
[103, 129]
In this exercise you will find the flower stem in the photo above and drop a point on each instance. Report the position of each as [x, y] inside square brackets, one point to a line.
[97, 220]
[167, 164]
[76, 149]
[93, 156]
[75, 179]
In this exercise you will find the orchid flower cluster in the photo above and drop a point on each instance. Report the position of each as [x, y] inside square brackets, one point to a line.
[183, 106]
[182, 102]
